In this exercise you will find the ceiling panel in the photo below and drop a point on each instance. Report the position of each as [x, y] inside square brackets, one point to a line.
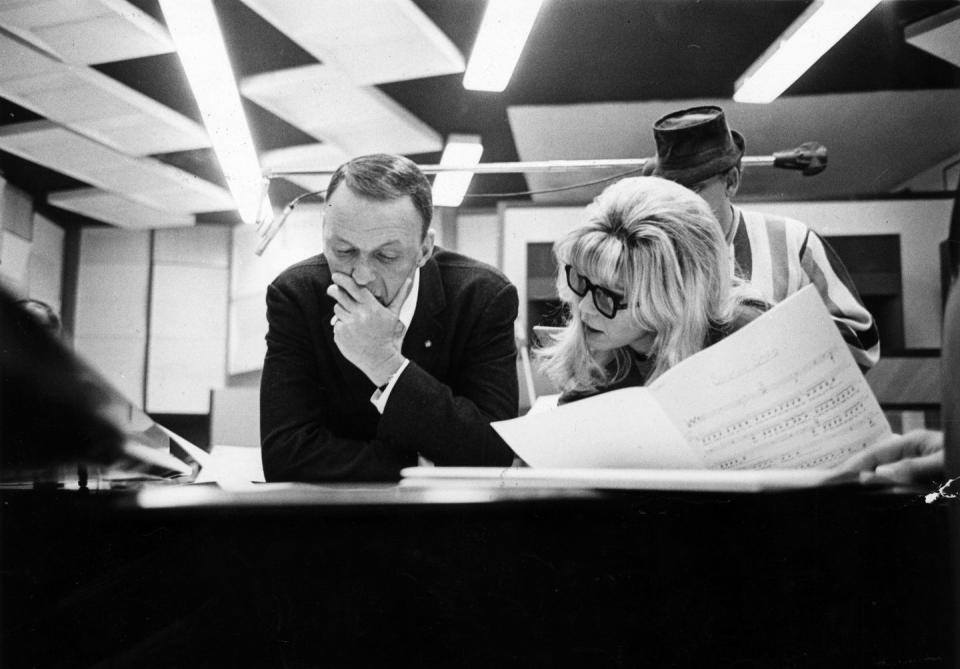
[76, 30]
[598, 72]
[145, 180]
[938, 34]
[325, 104]
[120, 211]
[306, 157]
[875, 141]
[370, 41]
[21, 59]
[95, 105]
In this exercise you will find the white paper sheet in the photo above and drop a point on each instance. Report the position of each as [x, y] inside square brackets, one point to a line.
[212, 469]
[783, 392]
[703, 480]
[235, 463]
[626, 428]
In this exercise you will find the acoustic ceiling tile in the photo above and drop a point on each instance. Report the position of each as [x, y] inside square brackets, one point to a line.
[53, 146]
[370, 41]
[74, 30]
[31, 14]
[327, 105]
[23, 60]
[862, 132]
[117, 210]
[187, 193]
[938, 34]
[145, 180]
[99, 107]
[124, 175]
[163, 186]
[306, 157]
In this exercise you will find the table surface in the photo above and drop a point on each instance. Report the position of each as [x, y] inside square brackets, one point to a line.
[364, 574]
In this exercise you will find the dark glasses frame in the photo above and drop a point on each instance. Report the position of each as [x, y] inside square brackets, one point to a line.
[605, 300]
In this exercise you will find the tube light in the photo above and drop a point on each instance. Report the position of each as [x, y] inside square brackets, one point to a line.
[503, 32]
[196, 33]
[801, 45]
[450, 187]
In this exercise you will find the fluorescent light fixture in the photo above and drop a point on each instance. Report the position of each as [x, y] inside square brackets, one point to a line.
[503, 32]
[801, 45]
[196, 33]
[450, 187]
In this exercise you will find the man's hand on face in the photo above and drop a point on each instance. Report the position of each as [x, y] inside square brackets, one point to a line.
[367, 333]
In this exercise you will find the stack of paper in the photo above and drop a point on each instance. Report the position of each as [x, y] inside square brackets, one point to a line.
[705, 480]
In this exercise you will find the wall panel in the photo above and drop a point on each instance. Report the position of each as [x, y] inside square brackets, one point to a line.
[110, 329]
[301, 237]
[45, 267]
[188, 318]
[16, 235]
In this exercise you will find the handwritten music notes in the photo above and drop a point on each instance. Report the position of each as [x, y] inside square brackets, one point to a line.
[782, 393]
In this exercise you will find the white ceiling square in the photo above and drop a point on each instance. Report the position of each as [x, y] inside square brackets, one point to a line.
[142, 134]
[112, 208]
[52, 146]
[66, 93]
[145, 180]
[119, 174]
[306, 157]
[175, 190]
[938, 34]
[370, 41]
[31, 14]
[23, 60]
[161, 186]
[74, 30]
[327, 105]
[95, 105]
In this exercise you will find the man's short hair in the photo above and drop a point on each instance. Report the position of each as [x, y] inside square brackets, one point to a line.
[384, 176]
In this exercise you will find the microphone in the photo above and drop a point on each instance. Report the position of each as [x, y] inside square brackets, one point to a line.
[809, 157]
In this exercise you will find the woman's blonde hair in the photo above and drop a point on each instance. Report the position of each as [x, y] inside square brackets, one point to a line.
[661, 243]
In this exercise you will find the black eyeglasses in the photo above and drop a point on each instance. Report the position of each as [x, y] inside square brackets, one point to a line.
[606, 301]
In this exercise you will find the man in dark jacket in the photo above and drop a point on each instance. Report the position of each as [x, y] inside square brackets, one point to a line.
[383, 347]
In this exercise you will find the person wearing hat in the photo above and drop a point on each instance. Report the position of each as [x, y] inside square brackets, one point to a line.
[779, 255]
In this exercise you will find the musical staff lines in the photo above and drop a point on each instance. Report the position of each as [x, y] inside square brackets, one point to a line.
[811, 418]
[784, 384]
[782, 392]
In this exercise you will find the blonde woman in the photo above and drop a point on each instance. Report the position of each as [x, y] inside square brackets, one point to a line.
[648, 282]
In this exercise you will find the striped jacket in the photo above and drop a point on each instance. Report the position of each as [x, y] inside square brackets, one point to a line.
[781, 255]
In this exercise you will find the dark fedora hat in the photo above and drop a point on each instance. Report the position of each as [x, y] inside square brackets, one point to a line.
[694, 144]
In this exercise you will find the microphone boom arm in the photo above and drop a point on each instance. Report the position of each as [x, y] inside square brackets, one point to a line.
[810, 158]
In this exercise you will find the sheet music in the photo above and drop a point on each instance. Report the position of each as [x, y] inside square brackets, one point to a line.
[225, 477]
[625, 428]
[701, 480]
[236, 463]
[783, 392]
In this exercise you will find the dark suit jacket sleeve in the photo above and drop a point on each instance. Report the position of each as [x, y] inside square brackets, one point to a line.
[297, 444]
[450, 424]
